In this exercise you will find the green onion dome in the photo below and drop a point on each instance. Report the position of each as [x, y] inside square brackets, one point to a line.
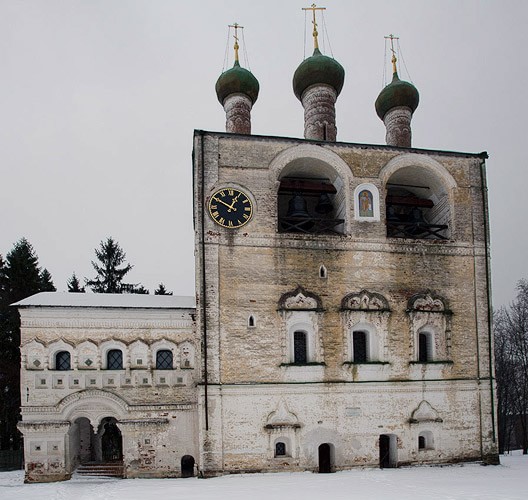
[397, 93]
[318, 69]
[237, 80]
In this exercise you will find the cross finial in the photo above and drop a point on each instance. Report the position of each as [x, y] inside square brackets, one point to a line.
[393, 59]
[313, 8]
[235, 36]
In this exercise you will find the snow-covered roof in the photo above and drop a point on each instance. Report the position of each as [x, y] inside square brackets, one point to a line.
[112, 300]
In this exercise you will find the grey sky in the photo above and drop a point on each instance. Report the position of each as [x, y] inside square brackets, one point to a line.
[99, 100]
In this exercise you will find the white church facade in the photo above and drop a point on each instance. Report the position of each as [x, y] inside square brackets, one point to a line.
[342, 312]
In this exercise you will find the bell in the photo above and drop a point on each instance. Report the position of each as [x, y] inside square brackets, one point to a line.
[417, 216]
[324, 205]
[297, 207]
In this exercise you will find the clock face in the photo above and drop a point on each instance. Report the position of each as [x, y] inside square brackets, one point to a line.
[230, 207]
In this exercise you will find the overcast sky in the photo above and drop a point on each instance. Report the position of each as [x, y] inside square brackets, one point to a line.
[99, 99]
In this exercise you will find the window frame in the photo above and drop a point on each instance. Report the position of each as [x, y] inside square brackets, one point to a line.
[111, 352]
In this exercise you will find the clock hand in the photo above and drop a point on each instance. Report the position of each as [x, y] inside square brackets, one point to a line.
[224, 203]
[233, 201]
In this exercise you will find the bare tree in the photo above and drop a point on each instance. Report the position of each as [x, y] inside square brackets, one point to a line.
[511, 362]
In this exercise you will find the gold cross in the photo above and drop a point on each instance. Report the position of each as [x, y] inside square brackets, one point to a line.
[393, 59]
[313, 8]
[235, 36]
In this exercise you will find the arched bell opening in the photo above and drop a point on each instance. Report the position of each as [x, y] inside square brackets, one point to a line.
[311, 198]
[417, 205]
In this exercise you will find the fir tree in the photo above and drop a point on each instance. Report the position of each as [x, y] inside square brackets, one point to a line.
[20, 277]
[161, 290]
[109, 279]
[74, 285]
[139, 289]
[46, 282]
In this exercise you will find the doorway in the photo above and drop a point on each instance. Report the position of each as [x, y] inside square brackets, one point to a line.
[325, 458]
[187, 466]
[388, 449]
[111, 440]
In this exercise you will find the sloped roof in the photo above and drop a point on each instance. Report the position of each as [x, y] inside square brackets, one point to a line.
[108, 300]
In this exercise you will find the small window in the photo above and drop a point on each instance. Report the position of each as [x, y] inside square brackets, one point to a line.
[62, 361]
[359, 346]
[425, 440]
[322, 272]
[425, 347]
[114, 359]
[164, 360]
[300, 355]
[280, 449]
[251, 321]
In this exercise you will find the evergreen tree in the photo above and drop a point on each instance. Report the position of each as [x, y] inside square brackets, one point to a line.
[74, 285]
[20, 277]
[139, 289]
[109, 279]
[161, 290]
[46, 282]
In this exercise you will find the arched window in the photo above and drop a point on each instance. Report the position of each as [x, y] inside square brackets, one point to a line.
[251, 321]
[359, 346]
[322, 272]
[114, 359]
[425, 347]
[63, 361]
[425, 440]
[300, 354]
[280, 449]
[164, 360]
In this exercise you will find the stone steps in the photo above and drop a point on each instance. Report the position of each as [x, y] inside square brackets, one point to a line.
[109, 469]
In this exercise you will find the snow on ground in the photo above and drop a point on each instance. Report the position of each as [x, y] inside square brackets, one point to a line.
[454, 482]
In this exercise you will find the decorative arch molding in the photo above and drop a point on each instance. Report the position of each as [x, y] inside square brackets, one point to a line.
[309, 152]
[367, 312]
[94, 405]
[365, 301]
[429, 314]
[428, 301]
[282, 417]
[300, 300]
[416, 160]
[424, 412]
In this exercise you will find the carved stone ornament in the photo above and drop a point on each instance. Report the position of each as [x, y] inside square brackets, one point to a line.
[428, 302]
[300, 300]
[424, 413]
[282, 417]
[365, 301]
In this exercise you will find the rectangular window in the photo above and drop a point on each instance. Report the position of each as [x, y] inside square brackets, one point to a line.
[300, 355]
[359, 347]
[423, 348]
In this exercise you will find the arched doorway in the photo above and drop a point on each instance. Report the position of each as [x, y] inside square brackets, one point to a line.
[187, 466]
[388, 451]
[111, 440]
[325, 458]
[81, 439]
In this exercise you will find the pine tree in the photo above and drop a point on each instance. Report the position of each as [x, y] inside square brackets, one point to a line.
[109, 279]
[74, 285]
[20, 277]
[161, 290]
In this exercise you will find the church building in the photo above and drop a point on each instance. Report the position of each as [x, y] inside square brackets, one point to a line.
[342, 313]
